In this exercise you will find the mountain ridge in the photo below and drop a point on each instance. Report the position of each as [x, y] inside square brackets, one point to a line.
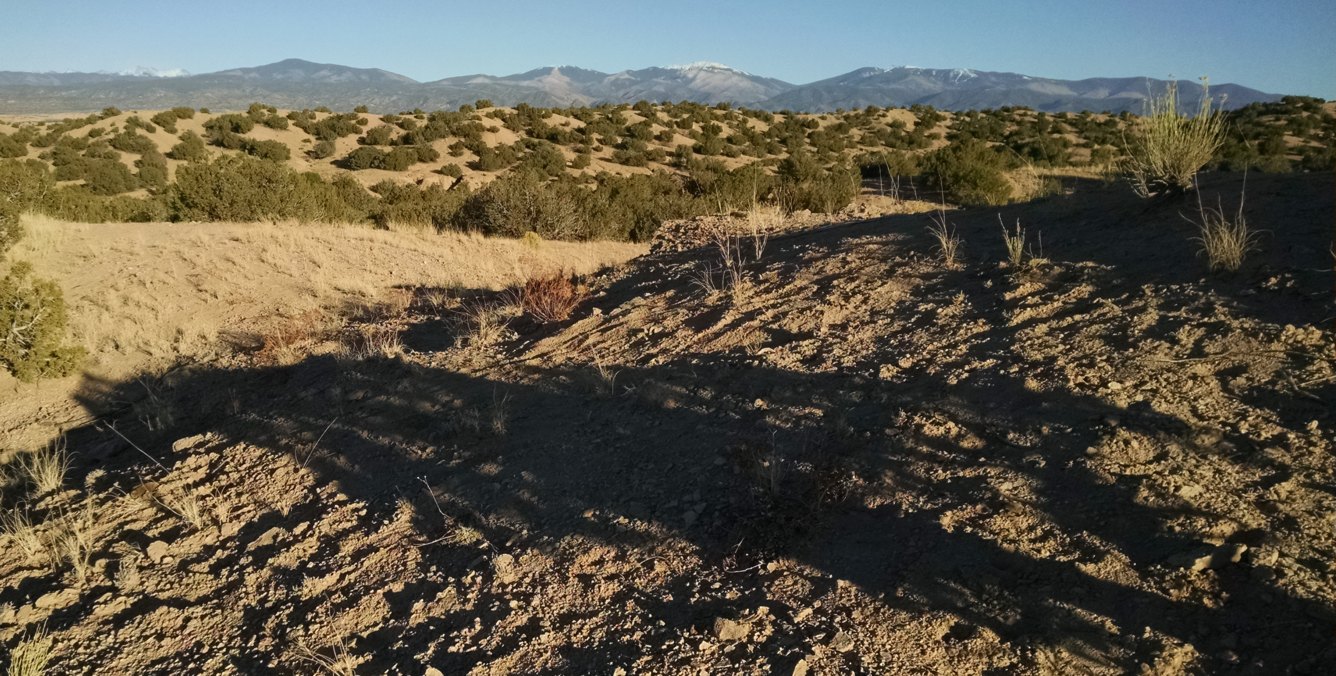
[296, 83]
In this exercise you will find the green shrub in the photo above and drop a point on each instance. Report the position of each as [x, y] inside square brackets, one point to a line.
[190, 149]
[130, 142]
[406, 204]
[399, 159]
[968, 173]
[78, 203]
[804, 184]
[274, 121]
[366, 157]
[452, 170]
[166, 119]
[108, 177]
[321, 150]
[24, 184]
[152, 169]
[582, 161]
[360, 109]
[482, 104]
[204, 110]
[544, 158]
[520, 202]
[110, 111]
[723, 190]
[10, 148]
[32, 328]
[383, 135]
[11, 229]
[276, 151]
[233, 188]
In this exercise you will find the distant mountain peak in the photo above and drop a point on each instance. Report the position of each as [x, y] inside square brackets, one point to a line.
[144, 71]
[708, 65]
[297, 83]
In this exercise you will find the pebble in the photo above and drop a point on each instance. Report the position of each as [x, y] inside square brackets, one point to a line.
[729, 630]
[157, 551]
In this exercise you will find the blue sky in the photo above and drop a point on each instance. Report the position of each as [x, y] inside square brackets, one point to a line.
[1280, 46]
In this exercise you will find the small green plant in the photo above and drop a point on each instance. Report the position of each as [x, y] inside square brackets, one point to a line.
[1167, 148]
[1015, 243]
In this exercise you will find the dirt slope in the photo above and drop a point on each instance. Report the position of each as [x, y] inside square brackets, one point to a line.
[865, 462]
[145, 296]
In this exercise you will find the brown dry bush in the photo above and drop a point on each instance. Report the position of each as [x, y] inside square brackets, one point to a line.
[300, 331]
[550, 297]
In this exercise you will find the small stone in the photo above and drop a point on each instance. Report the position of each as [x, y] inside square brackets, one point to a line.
[1190, 491]
[802, 615]
[800, 669]
[842, 642]
[728, 630]
[157, 550]
[433, 671]
[1115, 385]
[57, 599]
[187, 443]
[1226, 553]
[1112, 420]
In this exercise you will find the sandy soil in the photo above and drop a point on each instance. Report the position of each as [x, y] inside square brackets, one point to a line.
[861, 461]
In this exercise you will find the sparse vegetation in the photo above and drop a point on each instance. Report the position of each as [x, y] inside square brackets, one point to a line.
[32, 653]
[1015, 243]
[1225, 240]
[1166, 148]
[32, 328]
[948, 242]
[550, 297]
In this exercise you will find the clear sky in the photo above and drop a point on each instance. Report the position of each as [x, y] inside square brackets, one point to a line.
[1277, 46]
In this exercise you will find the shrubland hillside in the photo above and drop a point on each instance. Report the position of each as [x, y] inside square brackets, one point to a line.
[616, 171]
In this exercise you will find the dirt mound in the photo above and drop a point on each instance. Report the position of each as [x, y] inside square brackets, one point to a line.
[858, 460]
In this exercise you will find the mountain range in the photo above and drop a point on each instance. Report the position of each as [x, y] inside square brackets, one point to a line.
[295, 83]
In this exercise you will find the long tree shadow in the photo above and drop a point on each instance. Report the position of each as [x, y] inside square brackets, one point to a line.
[898, 488]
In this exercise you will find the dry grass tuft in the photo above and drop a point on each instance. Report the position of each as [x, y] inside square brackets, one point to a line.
[372, 340]
[605, 377]
[71, 539]
[334, 658]
[22, 533]
[550, 297]
[486, 323]
[762, 220]
[499, 412]
[948, 243]
[1167, 148]
[31, 655]
[46, 467]
[186, 506]
[284, 344]
[1225, 241]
